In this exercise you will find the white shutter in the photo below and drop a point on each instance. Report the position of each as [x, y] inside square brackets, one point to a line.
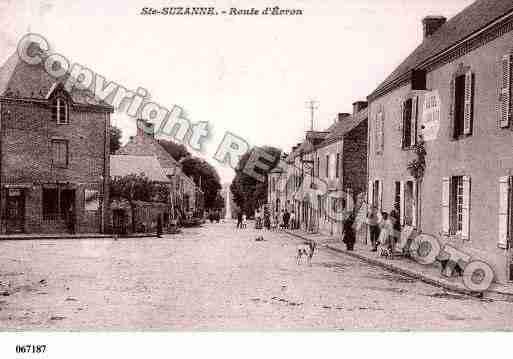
[505, 92]
[402, 202]
[414, 113]
[370, 194]
[380, 195]
[414, 205]
[379, 132]
[504, 190]
[467, 126]
[465, 232]
[446, 186]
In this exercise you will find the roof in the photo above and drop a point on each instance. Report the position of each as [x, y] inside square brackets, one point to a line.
[21, 80]
[123, 165]
[146, 145]
[344, 126]
[473, 18]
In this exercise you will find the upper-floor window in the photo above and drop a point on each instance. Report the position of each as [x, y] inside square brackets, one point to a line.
[327, 166]
[409, 122]
[463, 98]
[60, 111]
[60, 153]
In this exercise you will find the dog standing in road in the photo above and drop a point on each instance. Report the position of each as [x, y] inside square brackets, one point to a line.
[306, 249]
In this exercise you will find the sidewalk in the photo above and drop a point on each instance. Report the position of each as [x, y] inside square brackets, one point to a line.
[32, 236]
[405, 266]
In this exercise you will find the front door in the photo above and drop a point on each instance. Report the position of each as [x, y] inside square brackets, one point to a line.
[15, 210]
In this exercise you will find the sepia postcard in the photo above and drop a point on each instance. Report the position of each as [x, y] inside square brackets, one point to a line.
[254, 167]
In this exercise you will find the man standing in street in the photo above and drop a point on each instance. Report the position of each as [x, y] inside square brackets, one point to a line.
[374, 229]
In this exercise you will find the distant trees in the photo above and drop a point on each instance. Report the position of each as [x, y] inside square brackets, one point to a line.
[248, 192]
[115, 139]
[203, 173]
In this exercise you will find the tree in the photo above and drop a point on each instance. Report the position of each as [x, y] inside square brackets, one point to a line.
[202, 173]
[205, 176]
[134, 188]
[115, 139]
[176, 150]
[249, 192]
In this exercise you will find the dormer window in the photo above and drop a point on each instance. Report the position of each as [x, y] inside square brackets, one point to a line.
[60, 111]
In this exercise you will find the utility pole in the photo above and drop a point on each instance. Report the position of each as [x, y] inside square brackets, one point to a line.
[312, 105]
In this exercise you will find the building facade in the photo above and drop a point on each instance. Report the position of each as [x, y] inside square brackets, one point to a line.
[54, 154]
[452, 98]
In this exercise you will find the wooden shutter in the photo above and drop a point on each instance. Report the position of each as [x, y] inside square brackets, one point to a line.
[446, 186]
[414, 204]
[402, 204]
[504, 208]
[505, 92]
[380, 195]
[465, 231]
[467, 125]
[401, 125]
[414, 112]
[370, 193]
[379, 132]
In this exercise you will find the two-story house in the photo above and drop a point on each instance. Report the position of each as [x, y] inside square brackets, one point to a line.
[54, 154]
[452, 98]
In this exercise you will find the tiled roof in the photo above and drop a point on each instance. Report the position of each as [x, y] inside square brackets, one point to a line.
[145, 145]
[21, 80]
[123, 165]
[473, 18]
[344, 126]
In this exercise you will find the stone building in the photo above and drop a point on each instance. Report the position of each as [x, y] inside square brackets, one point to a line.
[452, 96]
[54, 154]
[186, 196]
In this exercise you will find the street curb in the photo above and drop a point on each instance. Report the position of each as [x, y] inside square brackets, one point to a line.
[490, 294]
[75, 237]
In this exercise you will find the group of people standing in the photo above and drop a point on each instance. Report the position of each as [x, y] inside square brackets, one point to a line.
[382, 229]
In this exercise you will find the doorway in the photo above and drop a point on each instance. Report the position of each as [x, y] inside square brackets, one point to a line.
[15, 210]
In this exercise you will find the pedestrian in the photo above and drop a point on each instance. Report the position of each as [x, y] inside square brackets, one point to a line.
[292, 220]
[395, 230]
[282, 219]
[159, 226]
[286, 219]
[239, 219]
[349, 233]
[244, 220]
[374, 229]
[71, 220]
[384, 235]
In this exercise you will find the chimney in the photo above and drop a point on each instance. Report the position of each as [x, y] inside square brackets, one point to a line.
[431, 24]
[358, 106]
[342, 116]
[145, 128]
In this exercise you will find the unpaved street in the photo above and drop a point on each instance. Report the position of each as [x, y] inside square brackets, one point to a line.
[218, 278]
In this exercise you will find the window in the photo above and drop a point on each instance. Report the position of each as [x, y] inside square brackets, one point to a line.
[60, 111]
[375, 192]
[459, 105]
[337, 168]
[397, 199]
[318, 166]
[379, 133]
[60, 153]
[456, 206]
[463, 104]
[409, 122]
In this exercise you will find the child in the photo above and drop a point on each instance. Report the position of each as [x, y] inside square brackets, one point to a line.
[244, 221]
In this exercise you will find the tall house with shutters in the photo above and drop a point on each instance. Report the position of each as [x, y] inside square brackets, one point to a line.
[54, 154]
[452, 96]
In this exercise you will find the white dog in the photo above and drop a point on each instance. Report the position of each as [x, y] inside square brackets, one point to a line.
[306, 249]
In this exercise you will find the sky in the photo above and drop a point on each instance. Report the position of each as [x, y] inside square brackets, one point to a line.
[249, 75]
